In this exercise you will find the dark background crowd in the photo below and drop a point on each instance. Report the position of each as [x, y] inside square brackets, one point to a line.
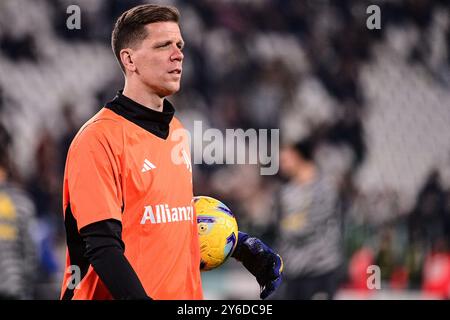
[373, 104]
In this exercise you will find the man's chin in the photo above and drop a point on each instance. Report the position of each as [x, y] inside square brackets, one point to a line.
[176, 88]
[170, 90]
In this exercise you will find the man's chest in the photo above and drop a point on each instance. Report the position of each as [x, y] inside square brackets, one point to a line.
[156, 171]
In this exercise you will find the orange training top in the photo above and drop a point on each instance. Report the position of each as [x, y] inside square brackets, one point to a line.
[132, 164]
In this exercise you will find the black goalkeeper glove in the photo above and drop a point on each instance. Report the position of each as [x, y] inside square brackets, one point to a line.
[261, 261]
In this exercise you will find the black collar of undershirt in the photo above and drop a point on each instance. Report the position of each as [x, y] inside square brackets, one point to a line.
[155, 122]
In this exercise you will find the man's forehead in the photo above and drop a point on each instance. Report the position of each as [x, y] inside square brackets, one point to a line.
[163, 30]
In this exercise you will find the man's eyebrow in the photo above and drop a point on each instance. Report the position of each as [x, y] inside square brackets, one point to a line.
[166, 42]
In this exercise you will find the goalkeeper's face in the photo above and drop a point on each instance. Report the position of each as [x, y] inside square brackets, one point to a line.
[158, 59]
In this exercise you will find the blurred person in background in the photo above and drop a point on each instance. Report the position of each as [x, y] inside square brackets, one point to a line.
[427, 221]
[43, 187]
[18, 262]
[428, 230]
[309, 226]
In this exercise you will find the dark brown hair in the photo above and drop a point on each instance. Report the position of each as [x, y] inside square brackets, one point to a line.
[129, 29]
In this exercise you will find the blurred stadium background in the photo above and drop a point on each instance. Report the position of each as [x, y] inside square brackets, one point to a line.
[377, 103]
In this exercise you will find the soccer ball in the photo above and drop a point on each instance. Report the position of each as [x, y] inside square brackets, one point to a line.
[217, 231]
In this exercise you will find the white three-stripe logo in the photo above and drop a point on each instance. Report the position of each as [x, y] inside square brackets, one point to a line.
[147, 166]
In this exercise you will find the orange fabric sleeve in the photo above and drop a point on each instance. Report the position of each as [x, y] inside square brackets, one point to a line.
[94, 183]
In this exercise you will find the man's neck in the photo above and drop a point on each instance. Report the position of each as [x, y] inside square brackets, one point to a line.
[143, 97]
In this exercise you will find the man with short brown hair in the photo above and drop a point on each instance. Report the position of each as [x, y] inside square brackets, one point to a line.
[131, 228]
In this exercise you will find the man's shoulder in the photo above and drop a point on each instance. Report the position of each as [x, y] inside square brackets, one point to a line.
[103, 121]
[176, 123]
[104, 125]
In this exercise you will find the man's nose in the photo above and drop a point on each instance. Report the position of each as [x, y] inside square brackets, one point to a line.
[177, 55]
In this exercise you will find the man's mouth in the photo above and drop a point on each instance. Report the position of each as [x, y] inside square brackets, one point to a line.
[176, 71]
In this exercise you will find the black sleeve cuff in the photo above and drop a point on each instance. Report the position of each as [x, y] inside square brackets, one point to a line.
[105, 252]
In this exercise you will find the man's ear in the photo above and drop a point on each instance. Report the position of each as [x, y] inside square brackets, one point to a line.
[126, 56]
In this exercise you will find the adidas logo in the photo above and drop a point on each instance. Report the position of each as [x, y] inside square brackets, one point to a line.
[147, 166]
